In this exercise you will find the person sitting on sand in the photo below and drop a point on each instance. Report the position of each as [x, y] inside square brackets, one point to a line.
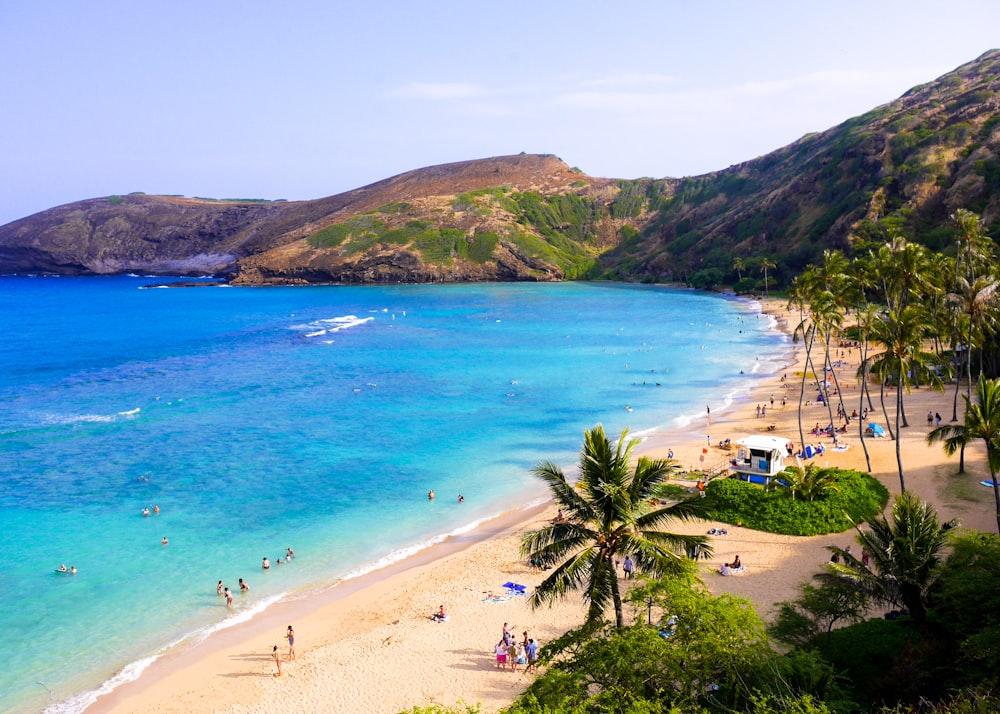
[559, 517]
[440, 615]
[736, 564]
[724, 569]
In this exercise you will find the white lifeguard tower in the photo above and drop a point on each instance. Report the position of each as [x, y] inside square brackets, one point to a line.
[759, 458]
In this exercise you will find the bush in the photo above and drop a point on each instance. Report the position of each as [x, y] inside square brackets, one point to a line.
[860, 497]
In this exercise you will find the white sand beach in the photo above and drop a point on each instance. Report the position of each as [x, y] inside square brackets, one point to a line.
[370, 645]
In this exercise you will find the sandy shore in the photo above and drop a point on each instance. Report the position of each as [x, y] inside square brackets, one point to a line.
[369, 645]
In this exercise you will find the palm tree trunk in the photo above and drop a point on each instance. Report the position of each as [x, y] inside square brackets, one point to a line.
[861, 406]
[899, 454]
[993, 477]
[885, 412]
[617, 596]
[802, 392]
[968, 371]
[954, 400]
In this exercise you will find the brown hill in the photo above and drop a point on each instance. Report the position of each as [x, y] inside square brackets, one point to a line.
[186, 236]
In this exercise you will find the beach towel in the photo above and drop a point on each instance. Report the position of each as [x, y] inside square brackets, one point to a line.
[496, 598]
[987, 483]
[515, 588]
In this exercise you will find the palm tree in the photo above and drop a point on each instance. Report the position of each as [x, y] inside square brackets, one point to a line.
[608, 516]
[738, 267]
[905, 553]
[765, 265]
[902, 333]
[982, 421]
[806, 482]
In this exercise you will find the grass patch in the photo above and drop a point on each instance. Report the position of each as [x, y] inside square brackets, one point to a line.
[956, 486]
[859, 498]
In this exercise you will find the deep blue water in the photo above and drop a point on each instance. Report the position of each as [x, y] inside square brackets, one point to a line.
[317, 418]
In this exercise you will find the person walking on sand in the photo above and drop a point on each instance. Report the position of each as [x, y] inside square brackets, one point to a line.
[277, 659]
[290, 636]
[629, 567]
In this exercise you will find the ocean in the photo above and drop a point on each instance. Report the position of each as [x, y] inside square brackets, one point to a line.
[317, 418]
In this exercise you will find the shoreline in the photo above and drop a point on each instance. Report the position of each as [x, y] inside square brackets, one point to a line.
[171, 663]
[359, 640]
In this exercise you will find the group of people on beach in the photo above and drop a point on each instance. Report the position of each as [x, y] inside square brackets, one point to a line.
[225, 592]
[289, 555]
[510, 653]
[276, 654]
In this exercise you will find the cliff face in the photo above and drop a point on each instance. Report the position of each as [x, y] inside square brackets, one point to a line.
[904, 166]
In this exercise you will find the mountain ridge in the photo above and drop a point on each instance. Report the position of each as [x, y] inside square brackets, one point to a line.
[901, 167]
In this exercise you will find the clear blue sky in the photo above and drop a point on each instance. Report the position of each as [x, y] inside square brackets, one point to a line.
[306, 99]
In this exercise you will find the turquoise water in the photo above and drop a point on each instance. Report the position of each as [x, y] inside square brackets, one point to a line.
[316, 418]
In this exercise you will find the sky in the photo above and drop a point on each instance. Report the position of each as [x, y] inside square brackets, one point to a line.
[306, 99]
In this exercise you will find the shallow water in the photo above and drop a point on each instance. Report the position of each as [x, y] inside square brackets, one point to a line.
[317, 418]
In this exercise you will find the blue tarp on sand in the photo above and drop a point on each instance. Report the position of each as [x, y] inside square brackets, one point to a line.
[876, 429]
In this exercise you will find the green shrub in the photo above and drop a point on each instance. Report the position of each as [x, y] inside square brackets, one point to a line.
[860, 497]
[482, 245]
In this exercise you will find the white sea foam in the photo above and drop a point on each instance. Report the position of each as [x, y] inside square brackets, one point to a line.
[69, 419]
[318, 328]
[132, 671]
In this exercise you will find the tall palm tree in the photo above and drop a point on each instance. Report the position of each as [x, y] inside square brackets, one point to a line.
[738, 267]
[902, 333]
[906, 556]
[982, 421]
[765, 265]
[976, 303]
[608, 516]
